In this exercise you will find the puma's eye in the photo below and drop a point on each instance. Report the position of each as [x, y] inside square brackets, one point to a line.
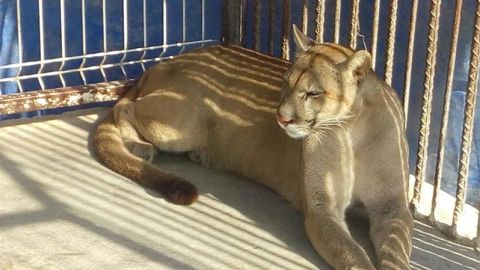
[314, 94]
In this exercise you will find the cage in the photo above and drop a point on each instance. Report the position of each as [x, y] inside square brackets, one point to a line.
[66, 55]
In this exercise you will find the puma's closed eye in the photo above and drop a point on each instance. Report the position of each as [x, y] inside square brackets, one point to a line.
[314, 94]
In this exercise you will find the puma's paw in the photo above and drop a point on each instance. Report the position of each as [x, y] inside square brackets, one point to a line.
[143, 150]
[360, 268]
[361, 264]
[393, 267]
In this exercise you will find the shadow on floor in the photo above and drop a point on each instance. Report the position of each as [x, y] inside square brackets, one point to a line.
[49, 178]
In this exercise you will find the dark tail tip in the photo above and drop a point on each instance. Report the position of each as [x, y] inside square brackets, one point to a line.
[180, 192]
[176, 191]
[173, 188]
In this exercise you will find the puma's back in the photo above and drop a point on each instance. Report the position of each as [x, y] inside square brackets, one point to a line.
[217, 104]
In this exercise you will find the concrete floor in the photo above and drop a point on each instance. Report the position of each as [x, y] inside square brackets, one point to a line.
[60, 209]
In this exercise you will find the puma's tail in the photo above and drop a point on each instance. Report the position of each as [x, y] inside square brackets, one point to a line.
[111, 151]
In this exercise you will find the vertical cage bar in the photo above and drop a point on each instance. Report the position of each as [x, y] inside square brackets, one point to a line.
[105, 44]
[427, 100]
[243, 22]
[203, 23]
[320, 21]
[225, 25]
[446, 107]
[409, 64]
[338, 14]
[164, 49]
[145, 39]
[84, 43]
[286, 31]
[42, 43]
[468, 121]
[354, 24]
[271, 30]
[233, 21]
[376, 18]
[20, 46]
[63, 37]
[184, 25]
[125, 37]
[392, 30]
[305, 17]
[256, 24]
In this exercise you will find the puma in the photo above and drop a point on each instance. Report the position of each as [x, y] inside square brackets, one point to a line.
[324, 132]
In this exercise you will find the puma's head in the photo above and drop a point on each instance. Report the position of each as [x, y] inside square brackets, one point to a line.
[322, 88]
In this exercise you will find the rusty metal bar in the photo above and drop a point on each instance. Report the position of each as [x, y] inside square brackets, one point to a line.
[409, 64]
[392, 30]
[243, 22]
[257, 6]
[271, 30]
[320, 21]
[427, 100]
[305, 17]
[62, 97]
[338, 14]
[376, 18]
[446, 107]
[354, 24]
[286, 30]
[468, 121]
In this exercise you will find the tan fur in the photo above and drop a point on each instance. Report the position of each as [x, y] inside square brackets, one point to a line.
[219, 105]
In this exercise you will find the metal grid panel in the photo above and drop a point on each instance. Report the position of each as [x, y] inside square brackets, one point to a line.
[118, 39]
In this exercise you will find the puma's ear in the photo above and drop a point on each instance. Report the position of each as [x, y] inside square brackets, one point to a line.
[302, 42]
[359, 64]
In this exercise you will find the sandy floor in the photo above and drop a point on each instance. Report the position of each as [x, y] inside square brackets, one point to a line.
[60, 209]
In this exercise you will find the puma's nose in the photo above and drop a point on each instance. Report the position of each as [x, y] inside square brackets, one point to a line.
[284, 120]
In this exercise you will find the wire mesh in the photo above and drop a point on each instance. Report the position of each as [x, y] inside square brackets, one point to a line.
[126, 39]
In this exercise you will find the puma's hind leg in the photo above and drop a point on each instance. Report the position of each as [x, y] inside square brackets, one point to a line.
[120, 145]
[164, 122]
[124, 119]
[141, 149]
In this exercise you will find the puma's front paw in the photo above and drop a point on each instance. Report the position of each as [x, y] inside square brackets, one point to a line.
[366, 266]
[390, 266]
[360, 263]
